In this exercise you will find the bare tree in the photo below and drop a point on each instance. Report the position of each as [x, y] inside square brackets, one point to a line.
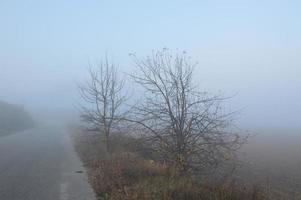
[188, 129]
[103, 98]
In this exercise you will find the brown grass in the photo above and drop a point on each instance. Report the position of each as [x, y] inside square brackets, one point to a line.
[126, 175]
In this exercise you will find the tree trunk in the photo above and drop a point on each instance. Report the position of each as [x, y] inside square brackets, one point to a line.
[107, 143]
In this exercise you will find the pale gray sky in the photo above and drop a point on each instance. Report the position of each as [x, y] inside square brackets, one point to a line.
[249, 47]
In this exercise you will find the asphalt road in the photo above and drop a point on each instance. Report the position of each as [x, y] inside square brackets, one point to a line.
[40, 164]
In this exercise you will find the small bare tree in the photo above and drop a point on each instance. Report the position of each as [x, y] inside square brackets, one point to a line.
[187, 128]
[103, 98]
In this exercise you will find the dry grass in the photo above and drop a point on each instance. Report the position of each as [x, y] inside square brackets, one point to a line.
[126, 175]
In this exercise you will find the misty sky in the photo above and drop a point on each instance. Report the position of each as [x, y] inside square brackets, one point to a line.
[251, 48]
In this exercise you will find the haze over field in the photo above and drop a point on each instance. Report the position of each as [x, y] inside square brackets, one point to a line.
[248, 48]
[62, 66]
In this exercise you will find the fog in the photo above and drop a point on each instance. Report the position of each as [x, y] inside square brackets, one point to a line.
[247, 48]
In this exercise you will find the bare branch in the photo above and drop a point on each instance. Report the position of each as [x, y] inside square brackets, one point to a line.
[189, 126]
[103, 98]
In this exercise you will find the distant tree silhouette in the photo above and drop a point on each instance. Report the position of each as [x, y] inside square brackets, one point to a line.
[14, 118]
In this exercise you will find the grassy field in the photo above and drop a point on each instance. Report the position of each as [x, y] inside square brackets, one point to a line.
[273, 159]
[271, 169]
[126, 174]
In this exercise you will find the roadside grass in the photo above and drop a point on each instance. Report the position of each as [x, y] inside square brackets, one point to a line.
[127, 175]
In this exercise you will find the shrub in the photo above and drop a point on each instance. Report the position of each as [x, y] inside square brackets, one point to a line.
[129, 175]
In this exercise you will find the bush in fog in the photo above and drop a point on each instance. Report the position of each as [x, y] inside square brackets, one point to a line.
[103, 100]
[188, 129]
[183, 127]
[13, 118]
[127, 174]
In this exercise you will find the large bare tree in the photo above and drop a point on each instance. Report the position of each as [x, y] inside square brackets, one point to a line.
[103, 98]
[189, 129]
